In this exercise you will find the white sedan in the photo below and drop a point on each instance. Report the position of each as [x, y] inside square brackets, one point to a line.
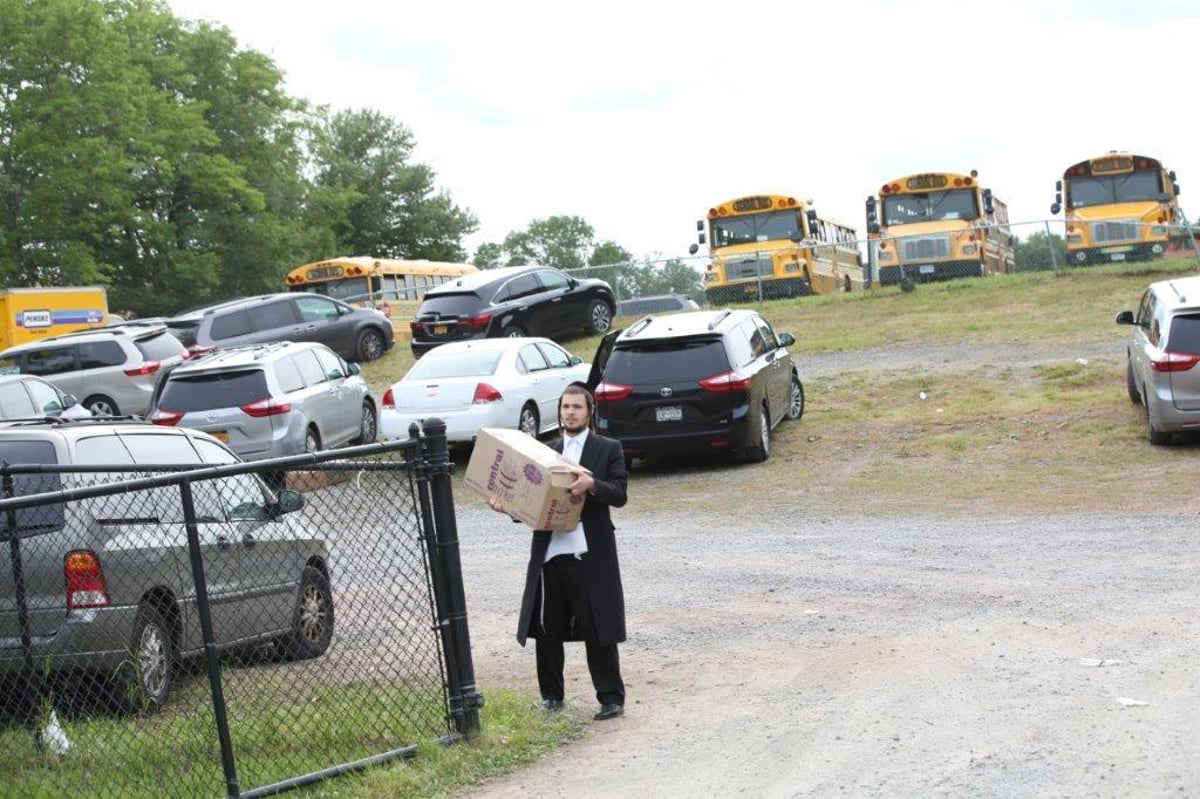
[493, 382]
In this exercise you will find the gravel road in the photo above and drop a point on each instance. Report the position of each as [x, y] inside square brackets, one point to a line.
[777, 653]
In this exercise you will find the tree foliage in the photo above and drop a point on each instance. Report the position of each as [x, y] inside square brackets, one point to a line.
[1041, 251]
[154, 156]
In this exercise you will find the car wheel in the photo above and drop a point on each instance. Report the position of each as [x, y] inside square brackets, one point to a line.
[312, 441]
[368, 428]
[1131, 383]
[512, 331]
[100, 405]
[796, 399]
[149, 675]
[600, 316]
[312, 619]
[762, 448]
[529, 423]
[1157, 437]
[370, 345]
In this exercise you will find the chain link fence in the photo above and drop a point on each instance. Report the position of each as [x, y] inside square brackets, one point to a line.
[170, 631]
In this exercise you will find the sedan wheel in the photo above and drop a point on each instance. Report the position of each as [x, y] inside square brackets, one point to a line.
[762, 448]
[312, 441]
[512, 331]
[599, 317]
[529, 422]
[312, 619]
[796, 400]
[100, 405]
[370, 345]
[368, 429]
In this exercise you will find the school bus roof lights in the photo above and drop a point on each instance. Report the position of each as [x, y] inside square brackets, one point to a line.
[757, 203]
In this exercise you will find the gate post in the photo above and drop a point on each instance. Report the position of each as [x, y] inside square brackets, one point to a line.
[449, 594]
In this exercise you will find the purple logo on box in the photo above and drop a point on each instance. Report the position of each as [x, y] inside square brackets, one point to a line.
[533, 474]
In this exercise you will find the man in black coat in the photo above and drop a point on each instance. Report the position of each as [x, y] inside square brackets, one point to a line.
[573, 582]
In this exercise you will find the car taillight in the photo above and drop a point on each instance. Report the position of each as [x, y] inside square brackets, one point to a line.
[611, 392]
[389, 399]
[415, 326]
[147, 368]
[166, 418]
[485, 393]
[85, 581]
[477, 322]
[726, 381]
[1174, 362]
[267, 407]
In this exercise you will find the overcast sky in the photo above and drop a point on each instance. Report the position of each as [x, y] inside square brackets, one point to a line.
[639, 116]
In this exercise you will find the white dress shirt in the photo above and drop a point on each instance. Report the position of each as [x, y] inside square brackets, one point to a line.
[570, 542]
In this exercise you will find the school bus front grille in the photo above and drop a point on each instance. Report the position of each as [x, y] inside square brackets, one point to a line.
[1122, 230]
[926, 247]
[741, 268]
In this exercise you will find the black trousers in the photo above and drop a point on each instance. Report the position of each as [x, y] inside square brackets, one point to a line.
[567, 613]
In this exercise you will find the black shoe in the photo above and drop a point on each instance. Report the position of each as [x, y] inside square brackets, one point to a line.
[552, 704]
[609, 711]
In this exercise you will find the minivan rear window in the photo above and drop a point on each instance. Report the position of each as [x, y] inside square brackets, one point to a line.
[203, 392]
[667, 362]
[159, 347]
[1185, 335]
[42, 519]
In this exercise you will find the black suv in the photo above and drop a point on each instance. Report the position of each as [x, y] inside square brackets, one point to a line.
[356, 334]
[512, 301]
[696, 382]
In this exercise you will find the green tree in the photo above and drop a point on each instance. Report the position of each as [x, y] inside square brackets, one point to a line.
[1041, 251]
[565, 242]
[381, 203]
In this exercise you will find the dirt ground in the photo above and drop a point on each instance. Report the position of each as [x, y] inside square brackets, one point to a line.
[801, 650]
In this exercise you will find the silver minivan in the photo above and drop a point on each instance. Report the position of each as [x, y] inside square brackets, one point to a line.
[271, 400]
[1162, 372]
[109, 582]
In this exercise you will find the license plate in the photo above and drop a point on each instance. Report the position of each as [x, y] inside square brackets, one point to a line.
[668, 413]
[220, 435]
[1117, 256]
[439, 330]
[926, 269]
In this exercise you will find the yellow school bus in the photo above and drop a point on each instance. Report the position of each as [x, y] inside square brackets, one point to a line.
[938, 226]
[768, 246]
[1120, 207]
[391, 285]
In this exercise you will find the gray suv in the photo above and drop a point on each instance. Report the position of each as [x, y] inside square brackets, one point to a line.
[1162, 372]
[113, 369]
[356, 334]
[108, 580]
[271, 400]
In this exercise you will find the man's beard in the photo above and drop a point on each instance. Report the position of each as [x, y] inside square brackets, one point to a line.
[575, 430]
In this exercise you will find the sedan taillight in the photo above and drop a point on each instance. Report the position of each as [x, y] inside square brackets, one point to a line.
[86, 587]
[485, 393]
[389, 399]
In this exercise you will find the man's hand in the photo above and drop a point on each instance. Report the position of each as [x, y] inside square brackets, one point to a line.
[584, 482]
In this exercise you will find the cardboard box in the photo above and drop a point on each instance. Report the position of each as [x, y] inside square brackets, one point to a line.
[530, 478]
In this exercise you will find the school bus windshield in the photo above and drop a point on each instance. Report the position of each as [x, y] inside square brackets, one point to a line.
[1104, 189]
[902, 209]
[767, 226]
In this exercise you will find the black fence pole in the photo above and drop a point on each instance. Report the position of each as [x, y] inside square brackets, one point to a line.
[465, 700]
[30, 677]
[211, 655]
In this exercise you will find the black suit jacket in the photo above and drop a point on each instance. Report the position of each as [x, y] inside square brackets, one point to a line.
[606, 461]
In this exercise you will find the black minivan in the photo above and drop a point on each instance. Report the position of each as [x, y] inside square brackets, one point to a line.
[696, 382]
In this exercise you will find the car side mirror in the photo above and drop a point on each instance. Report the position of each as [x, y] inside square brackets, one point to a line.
[576, 360]
[353, 369]
[786, 339]
[1125, 318]
[69, 401]
[288, 501]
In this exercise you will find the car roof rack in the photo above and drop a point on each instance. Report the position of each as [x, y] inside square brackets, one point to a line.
[719, 318]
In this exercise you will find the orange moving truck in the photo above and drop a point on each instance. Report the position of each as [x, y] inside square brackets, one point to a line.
[27, 314]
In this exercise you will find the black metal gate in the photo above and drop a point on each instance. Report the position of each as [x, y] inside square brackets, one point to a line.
[180, 630]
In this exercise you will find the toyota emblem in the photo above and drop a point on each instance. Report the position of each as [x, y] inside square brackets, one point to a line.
[665, 391]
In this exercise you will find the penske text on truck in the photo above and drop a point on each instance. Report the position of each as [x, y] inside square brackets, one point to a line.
[27, 314]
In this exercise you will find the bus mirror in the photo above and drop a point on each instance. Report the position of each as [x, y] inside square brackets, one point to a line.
[695, 248]
[1055, 208]
[1175, 186]
[988, 208]
[701, 238]
[812, 222]
[700, 225]
[1058, 185]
